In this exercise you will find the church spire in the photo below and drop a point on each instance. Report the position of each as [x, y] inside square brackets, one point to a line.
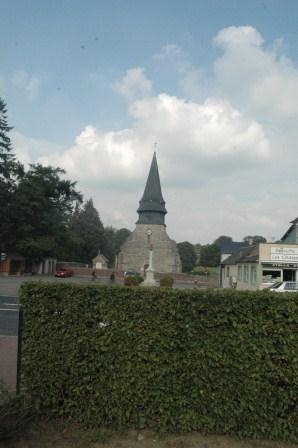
[152, 205]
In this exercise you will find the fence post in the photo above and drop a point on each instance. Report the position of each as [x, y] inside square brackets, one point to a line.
[19, 354]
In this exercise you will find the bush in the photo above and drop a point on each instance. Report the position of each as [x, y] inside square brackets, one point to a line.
[133, 280]
[15, 414]
[216, 361]
[166, 281]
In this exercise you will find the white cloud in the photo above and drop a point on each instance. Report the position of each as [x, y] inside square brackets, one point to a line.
[134, 84]
[29, 150]
[29, 84]
[226, 161]
[263, 82]
[211, 134]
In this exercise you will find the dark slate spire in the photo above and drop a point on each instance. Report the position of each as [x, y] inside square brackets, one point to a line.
[152, 205]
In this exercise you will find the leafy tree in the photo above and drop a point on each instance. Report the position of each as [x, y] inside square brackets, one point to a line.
[254, 239]
[187, 255]
[90, 230]
[222, 240]
[112, 243]
[109, 249]
[210, 255]
[41, 211]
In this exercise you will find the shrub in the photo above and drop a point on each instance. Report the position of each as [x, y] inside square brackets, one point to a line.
[216, 361]
[133, 280]
[167, 281]
[15, 414]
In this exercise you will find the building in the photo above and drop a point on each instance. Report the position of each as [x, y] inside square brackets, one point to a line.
[100, 262]
[259, 266]
[150, 233]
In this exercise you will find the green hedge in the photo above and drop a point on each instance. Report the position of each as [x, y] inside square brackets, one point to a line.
[214, 361]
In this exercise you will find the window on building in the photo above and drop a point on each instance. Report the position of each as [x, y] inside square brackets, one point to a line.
[271, 276]
[228, 271]
[239, 272]
[245, 273]
[253, 274]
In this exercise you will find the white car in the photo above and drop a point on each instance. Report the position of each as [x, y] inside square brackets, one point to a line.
[284, 287]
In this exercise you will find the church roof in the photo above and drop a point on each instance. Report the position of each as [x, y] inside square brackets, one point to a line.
[152, 204]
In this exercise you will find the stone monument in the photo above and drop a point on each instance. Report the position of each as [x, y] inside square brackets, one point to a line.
[149, 248]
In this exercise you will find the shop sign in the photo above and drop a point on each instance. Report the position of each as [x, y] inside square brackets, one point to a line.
[280, 265]
[288, 254]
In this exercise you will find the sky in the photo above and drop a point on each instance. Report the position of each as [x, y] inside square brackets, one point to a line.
[95, 87]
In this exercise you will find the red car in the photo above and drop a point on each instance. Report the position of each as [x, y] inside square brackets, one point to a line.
[64, 273]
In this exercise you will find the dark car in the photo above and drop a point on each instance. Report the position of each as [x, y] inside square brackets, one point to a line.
[64, 273]
[131, 273]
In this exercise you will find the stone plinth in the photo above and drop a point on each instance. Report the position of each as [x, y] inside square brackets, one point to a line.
[149, 278]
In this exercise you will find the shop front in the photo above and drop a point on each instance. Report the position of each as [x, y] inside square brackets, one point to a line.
[278, 262]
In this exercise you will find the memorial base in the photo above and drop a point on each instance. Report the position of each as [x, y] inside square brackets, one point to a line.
[149, 278]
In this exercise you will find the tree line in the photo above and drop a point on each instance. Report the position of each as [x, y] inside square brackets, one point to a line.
[44, 215]
[193, 255]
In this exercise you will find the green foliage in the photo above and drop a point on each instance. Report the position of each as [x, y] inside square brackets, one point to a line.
[210, 255]
[113, 240]
[216, 361]
[15, 414]
[133, 280]
[41, 210]
[254, 239]
[166, 281]
[187, 255]
[9, 172]
[90, 231]
[222, 240]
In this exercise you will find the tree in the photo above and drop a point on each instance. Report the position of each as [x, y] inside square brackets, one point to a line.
[113, 241]
[254, 239]
[222, 241]
[187, 255]
[210, 255]
[90, 231]
[41, 211]
[9, 170]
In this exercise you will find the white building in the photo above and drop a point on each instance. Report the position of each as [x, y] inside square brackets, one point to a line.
[259, 266]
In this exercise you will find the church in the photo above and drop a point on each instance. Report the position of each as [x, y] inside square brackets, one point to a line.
[150, 234]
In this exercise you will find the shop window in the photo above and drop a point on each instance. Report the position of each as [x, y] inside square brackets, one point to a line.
[271, 276]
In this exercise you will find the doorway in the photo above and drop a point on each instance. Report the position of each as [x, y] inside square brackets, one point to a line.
[289, 275]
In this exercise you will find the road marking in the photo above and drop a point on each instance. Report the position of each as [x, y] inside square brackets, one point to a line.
[5, 309]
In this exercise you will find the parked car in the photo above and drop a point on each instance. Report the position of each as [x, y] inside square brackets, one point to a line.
[131, 273]
[64, 273]
[284, 287]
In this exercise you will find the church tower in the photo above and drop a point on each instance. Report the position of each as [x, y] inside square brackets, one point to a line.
[150, 232]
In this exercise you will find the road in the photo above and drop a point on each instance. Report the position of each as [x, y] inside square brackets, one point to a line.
[9, 316]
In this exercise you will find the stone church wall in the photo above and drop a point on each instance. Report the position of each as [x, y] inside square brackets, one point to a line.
[134, 253]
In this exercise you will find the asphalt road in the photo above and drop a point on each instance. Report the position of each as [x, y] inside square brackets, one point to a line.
[9, 316]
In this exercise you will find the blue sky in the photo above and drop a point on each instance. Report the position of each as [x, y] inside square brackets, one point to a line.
[90, 86]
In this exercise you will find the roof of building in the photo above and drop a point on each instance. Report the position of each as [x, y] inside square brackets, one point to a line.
[231, 247]
[248, 254]
[294, 223]
[152, 203]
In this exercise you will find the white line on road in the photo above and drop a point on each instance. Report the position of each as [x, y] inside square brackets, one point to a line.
[5, 309]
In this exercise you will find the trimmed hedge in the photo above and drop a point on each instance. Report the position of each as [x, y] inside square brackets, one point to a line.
[215, 361]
